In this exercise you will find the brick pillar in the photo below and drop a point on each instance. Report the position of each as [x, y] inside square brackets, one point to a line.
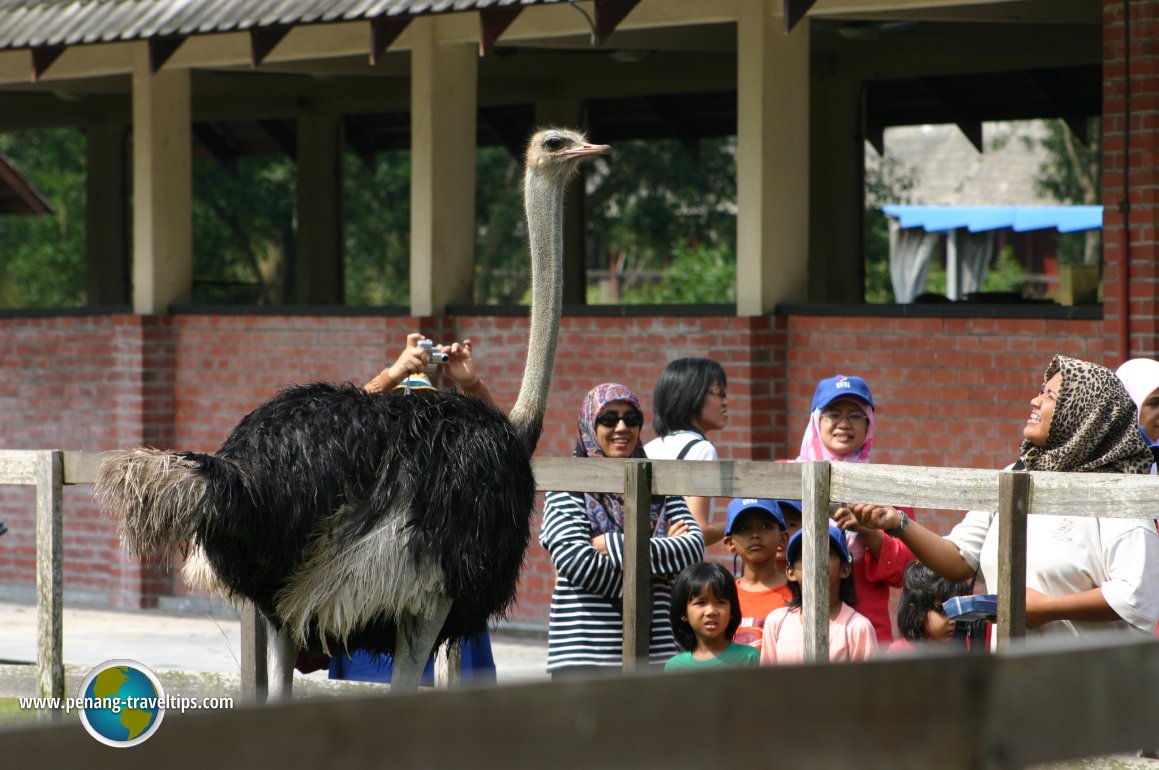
[1131, 177]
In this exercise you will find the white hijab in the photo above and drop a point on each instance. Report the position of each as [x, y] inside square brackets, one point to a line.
[1140, 376]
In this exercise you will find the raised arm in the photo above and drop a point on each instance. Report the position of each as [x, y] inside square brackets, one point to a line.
[936, 552]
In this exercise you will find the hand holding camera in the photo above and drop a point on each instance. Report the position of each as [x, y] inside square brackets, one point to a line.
[433, 354]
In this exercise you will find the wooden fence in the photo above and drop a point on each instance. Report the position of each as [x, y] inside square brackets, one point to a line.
[1023, 705]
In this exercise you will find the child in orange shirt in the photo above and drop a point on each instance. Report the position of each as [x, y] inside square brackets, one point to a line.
[755, 532]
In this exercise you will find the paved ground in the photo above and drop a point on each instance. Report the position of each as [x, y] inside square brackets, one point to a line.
[193, 652]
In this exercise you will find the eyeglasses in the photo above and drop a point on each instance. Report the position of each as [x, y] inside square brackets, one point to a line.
[836, 418]
[633, 419]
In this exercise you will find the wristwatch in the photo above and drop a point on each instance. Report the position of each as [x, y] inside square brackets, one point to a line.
[902, 523]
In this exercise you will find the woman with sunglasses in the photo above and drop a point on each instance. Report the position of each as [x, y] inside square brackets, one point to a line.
[840, 429]
[584, 535]
[691, 399]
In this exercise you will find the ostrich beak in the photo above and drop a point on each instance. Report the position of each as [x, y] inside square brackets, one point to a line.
[585, 150]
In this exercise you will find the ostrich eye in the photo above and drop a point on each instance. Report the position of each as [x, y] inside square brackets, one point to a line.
[553, 143]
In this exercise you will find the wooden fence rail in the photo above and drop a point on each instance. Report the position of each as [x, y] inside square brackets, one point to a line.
[1013, 495]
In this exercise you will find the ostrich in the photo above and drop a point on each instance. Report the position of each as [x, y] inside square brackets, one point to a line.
[351, 520]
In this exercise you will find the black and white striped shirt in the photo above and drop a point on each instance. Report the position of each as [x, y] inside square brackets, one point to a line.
[586, 624]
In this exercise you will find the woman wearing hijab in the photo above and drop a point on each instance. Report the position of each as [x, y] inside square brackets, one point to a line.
[584, 533]
[840, 429]
[1140, 376]
[1083, 574]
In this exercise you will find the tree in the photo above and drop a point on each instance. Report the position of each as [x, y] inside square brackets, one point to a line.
[1072, 173]
[243, 230]
[42, 258]
[657, 213]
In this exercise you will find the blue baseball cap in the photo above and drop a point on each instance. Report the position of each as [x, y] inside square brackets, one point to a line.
[836, 538]
[841, 386]
[742, 504]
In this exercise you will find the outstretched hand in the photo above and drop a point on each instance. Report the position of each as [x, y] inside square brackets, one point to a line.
[867, 516]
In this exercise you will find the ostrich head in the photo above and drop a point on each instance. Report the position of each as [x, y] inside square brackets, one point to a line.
[553, 157]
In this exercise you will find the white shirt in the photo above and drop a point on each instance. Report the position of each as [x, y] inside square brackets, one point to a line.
[667, 447]
[1067, 555]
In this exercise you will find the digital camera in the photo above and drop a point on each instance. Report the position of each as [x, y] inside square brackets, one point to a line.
[435, 356]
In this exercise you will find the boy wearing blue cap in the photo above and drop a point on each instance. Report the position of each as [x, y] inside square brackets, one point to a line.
[851, 634]
[754, 531]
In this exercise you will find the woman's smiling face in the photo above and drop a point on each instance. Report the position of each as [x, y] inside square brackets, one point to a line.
[1042, 412]
[843, 426]
[621, 440]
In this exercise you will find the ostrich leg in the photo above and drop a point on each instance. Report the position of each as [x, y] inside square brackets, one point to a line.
[285, 654]
[414, 641]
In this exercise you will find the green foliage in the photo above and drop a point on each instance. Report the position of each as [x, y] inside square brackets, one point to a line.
[698, 274]
[502, 276]
[243, 230]
[42, 258]
[1006, 274]
[659, 216]
[378, 230]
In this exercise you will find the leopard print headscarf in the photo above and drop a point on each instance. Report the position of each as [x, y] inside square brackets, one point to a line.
[1094, 425]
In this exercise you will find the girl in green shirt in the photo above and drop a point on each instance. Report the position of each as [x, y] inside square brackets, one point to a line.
[705, 615]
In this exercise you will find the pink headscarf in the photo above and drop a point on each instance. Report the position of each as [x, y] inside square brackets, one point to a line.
[813, 449]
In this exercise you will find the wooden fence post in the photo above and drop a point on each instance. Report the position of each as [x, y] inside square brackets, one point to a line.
[637, 564]
[1014, 489]
[815, 555]
[49, 576]
[254, 654]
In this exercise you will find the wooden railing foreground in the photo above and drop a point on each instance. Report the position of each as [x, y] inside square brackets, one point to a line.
[817, 485]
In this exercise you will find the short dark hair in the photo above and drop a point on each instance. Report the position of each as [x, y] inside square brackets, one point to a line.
[681, 390]
[847, 591]
[689, 583]
[923, 590]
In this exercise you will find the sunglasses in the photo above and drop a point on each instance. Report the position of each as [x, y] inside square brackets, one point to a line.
[633, 419]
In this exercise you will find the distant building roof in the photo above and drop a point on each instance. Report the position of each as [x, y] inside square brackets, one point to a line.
[948, 171]
[976, 219]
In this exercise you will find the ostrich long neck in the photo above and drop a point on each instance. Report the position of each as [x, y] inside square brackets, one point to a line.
[543, 193]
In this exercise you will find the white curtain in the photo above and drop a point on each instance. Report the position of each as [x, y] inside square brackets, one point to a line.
[909, 260]
[975, 250]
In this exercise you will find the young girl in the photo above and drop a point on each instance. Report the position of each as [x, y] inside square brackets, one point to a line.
[705, 615]
[920, 617]
[851, 634]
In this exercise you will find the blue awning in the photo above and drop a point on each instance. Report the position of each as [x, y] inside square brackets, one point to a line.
[976, 219]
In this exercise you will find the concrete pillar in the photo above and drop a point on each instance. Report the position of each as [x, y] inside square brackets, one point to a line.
[773, 159]
[319, 269]
[569, 113]
[444, 98]
[107, 260]
[162, 187]
[836, 191]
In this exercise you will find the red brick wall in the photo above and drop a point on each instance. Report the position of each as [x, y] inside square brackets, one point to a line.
[1131, 119]
[950, 391]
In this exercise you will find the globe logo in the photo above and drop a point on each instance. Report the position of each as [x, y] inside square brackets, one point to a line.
[121, 703]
